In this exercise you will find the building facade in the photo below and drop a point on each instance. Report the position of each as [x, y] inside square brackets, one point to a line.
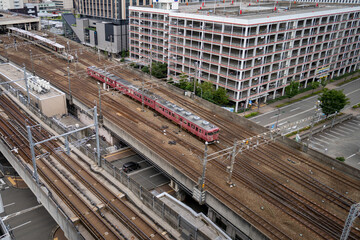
[253, 56]
[104, 23]
[11, 4]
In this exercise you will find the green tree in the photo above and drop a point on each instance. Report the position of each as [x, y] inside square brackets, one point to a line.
[323, 81]
[207, 90]
[292, 89]
[314, 85]
[332, 101]
[220, 96]
[159, 70]
[145, 69]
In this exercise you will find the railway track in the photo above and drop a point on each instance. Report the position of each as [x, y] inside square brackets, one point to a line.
[92, 222]
[117, 206]
[271, 158]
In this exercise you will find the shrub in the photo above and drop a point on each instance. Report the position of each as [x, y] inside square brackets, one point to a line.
[341, 159]
[253, 114]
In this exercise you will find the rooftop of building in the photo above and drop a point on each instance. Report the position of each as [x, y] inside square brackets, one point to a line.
[7, 18]
[253, 12]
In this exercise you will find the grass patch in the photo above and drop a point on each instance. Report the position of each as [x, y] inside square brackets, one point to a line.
[294, 133]
[356, 106]
[298, 100]
[341, 159]
[253, 114]
[347, 81]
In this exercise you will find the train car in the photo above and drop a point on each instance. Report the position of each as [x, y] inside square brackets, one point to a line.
[185, 119]
[47, 43]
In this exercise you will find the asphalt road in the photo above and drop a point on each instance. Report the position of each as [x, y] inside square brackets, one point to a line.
[305, 108]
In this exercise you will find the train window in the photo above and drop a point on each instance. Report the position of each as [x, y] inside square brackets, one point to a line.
[189, 124]
[173, 115]
[177, 116]
[193, 127]
[180, 119]
[185, 122]
[197, 129]
[200, 131]
[166, 110]
[169, 113]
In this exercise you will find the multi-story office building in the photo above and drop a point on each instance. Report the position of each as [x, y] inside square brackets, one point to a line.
[11, 4]
[104, 24]
[255, 52]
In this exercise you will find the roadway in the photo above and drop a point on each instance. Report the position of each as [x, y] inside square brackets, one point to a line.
[305, 108]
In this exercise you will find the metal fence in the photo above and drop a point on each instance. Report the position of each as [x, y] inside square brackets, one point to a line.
[175, 220]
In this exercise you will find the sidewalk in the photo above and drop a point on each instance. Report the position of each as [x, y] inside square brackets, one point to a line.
[264, 108]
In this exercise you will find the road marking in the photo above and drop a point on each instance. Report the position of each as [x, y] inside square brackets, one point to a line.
[155, 175]
[330, 135]
[354, 124]
[11, 180]
[20, 225]
[341, 130]
[321, 136]
[292, 116]
[318, 139]
[352, 92]
[316, 142]
[294, 109]
[9, 204]
[350, 127]
[21, 212]
[350, 156]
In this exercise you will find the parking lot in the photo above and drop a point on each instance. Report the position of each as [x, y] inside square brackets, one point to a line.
[343, 140]
[24, 216]
[147, 175]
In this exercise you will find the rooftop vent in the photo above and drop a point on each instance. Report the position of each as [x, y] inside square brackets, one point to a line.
[188, 113]
[196, 118]
[180, 109]
[205, 123]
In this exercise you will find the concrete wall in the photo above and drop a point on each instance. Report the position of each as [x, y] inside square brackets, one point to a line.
[42, 195]
[53, 106]
[232, 220]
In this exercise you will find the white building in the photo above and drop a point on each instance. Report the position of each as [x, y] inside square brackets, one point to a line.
[11, 4]
[253, 53]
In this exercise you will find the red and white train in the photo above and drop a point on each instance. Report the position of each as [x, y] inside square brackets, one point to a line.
[187, 120]
[44, 42]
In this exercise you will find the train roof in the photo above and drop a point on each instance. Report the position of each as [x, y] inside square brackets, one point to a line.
[188, 115]
[37, 37]
[179, 110]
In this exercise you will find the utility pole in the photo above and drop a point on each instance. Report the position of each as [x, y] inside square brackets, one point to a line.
[202, 180]
[353, 214]
[100, 116]
[233, 155]
[35, 174]
[27, 86]
[70, 97]
[142, 93]
[195, 78]
[97, 136]
[32, 62]
[333, 121]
